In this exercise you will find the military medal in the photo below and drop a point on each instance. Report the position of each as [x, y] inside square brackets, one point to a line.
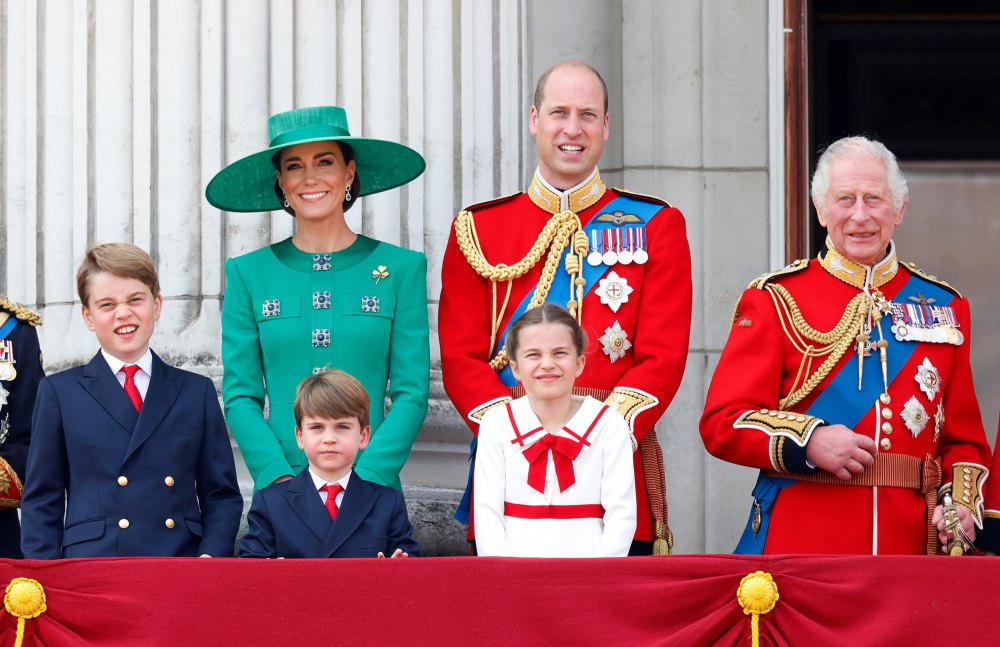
[923, 322]
[3, 396]
[594, 258]
[614, 342]
[613, 290]
[624, 251]
[610, 257]
[640, 256]
[7, 370]
[914, 416]
[929, 379]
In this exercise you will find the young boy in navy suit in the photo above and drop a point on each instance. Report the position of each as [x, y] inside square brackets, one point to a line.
[134, 451]
[328, 510]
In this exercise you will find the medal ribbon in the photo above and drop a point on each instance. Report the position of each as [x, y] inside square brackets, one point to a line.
[559, 291]
[564, 452]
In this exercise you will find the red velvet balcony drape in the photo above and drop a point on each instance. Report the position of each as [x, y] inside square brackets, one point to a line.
[679, 600]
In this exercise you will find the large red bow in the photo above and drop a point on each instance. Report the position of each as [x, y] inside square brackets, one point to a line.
[564, 452]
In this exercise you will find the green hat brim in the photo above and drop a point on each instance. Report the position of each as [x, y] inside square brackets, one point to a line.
[247, 185]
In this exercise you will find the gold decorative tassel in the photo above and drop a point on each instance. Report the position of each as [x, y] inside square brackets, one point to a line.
[24, 599]
[757, 594]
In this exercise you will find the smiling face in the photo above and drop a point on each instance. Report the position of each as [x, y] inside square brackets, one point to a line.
[547, 362]
[570, 127]
[331, 444]
[858, 211]
[121, 311]
[313, 177]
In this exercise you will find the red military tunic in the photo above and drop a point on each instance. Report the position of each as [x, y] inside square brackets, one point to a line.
[990, 539]
[762, 407]
[649, 344]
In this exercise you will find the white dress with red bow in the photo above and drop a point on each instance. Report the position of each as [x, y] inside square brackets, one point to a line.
[569, 494]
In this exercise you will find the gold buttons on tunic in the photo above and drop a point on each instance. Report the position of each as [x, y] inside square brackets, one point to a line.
[886, 444]
[886, 428]
[887, 413]
[122, 481]
[123, 524]
[169, 523]
[169, 481]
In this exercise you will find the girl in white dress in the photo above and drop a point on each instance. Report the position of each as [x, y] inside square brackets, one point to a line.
[553, 475]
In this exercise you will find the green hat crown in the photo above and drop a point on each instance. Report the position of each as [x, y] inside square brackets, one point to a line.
[247, 184]
[307, 124]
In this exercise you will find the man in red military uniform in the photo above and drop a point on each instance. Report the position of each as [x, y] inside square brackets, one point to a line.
[846, 381]
[618, 261]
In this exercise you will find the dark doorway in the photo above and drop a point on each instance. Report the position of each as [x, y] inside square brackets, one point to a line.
[923, 77]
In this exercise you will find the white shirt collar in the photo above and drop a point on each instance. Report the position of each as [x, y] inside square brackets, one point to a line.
[145, 362]
[319, 483]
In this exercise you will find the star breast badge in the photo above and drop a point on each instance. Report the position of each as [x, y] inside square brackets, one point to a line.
[613, 290]
[614, 342]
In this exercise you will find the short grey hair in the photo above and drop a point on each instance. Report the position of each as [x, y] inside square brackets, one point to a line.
[859, 147]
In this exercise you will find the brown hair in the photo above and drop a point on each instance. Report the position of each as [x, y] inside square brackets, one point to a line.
[348, 154]
[121, 259]
[332, 394]
[545, 313]
[544, 78]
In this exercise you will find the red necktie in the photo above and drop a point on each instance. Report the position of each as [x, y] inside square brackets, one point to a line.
[332, 490]
[131, 390]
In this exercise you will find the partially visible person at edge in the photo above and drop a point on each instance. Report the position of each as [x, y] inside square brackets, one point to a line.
[619, 262]
[841, 374]
[325, 298]
[20, 372]
[990, 540]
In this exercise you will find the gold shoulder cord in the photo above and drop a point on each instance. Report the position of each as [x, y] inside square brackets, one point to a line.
[804, 337]
[562, 229]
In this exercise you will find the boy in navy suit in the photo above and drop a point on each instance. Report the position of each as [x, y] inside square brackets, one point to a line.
[134, 451]
[328, 510]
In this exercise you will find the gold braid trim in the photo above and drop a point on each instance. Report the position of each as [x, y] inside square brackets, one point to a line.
[560, 231]
[803, 336]
[22, 312]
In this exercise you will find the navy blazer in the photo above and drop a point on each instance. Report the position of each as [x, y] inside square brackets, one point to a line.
[289, 519]
[159, 483]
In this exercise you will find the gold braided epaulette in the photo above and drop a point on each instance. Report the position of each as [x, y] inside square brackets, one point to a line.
[22, 312]
[641, 196]
[791, 268]
[933, 279]
[490, 203]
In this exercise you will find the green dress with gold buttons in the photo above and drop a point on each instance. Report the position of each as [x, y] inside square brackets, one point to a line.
[288, 314]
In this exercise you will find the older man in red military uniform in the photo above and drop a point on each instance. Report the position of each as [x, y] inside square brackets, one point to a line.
[846, 380]
[620, 262]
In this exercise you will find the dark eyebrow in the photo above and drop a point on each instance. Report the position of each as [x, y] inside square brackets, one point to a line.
[316, 156]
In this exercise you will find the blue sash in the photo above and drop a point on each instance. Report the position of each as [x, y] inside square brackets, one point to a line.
[559, 292]
[7, 327]
[842, 403]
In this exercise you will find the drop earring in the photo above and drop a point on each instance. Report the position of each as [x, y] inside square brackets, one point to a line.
[347, 193]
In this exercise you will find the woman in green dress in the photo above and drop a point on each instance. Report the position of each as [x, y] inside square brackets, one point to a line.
[325, 298]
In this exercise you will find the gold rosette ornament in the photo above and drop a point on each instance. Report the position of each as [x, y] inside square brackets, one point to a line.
[24, 599]
[757, 595]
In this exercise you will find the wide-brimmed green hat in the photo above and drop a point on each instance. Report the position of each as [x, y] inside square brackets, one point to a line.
[248, 184]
